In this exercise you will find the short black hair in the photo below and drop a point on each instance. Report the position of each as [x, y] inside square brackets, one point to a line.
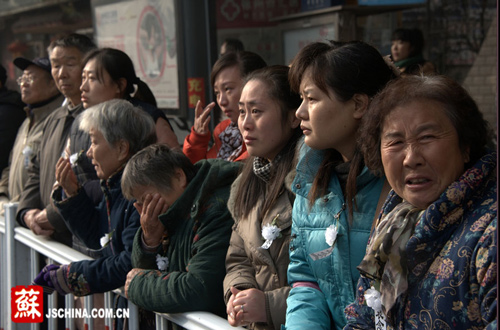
[414, 36]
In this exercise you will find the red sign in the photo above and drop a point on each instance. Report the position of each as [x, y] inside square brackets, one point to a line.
[196, 91]
[27, 304]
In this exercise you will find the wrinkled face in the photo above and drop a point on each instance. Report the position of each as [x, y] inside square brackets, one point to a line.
[420, 152]
[95, 91]
[38, 85]
[400, 50]
[67, 71]
[227, 87]
[326, 121]
[260, 122]
[105, 158]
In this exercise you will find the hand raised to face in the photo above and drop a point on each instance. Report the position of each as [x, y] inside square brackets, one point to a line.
[149, 210]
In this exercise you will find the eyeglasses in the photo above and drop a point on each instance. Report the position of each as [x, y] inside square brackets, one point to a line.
[24, 79]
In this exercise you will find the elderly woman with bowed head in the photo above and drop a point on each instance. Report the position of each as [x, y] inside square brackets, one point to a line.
[431, 261]
[337, 198]
[179, 252]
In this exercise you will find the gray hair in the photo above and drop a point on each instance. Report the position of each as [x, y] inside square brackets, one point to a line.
[155, 166]
[117, 120]
[83, 43]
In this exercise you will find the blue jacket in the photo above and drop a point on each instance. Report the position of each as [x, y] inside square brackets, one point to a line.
[336, 274]
[89, 223]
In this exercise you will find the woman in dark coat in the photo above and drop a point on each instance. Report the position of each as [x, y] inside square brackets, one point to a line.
[117, 130]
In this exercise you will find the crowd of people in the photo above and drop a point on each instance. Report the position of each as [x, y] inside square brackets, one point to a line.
[343, 191]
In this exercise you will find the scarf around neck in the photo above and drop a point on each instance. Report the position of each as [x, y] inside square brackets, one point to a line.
[385, 259]
[232, 143]
[417, 59]
[262, 168]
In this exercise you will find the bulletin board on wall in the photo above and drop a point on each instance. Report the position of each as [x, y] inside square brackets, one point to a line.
[146, 30]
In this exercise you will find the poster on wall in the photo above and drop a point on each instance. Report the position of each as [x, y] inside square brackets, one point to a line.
[295, 40]
[145, 30]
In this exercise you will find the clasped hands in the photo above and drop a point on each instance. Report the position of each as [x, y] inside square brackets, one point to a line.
[246, 306]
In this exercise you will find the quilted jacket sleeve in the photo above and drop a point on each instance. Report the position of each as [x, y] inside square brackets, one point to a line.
[199, 286]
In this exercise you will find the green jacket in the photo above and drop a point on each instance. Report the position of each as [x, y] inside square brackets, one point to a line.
[199, 228]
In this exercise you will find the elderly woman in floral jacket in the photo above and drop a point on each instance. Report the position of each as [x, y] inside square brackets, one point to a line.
[431, 261]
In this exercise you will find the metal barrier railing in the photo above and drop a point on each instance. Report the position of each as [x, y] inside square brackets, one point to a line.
[20, 248]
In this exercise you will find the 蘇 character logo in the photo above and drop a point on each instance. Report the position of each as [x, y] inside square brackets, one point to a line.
[27, 304]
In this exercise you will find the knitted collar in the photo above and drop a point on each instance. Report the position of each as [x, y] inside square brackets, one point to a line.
[417, 59]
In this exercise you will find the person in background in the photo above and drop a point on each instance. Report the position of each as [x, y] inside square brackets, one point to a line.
[226, 77]
[35, 210]
[256, 286]
[40, 93]
[337, 197]
[12, 115]
[179, 251]
[117, 130]
[109, 73]
[407, 52]
[432, 258]
[231, 45]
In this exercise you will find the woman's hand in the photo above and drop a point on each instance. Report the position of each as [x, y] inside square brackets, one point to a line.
[130, 276]
[149, 210]
[202, 118]
[66, 177]
[247, 306]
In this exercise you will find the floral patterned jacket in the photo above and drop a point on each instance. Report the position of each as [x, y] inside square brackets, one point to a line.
[452, 260]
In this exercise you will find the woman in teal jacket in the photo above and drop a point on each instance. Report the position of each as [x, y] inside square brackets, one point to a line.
[336, 196]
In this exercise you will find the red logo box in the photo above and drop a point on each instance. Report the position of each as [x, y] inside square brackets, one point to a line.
[27, 304]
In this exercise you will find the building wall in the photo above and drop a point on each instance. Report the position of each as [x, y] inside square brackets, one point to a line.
[481, 81]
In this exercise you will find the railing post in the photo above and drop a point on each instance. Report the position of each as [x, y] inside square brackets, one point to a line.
[89, 305]
[34, 259]
[108, 303]
[69, 302]
[3, 292]
[52, 302]
[10, 223]
[133, 319]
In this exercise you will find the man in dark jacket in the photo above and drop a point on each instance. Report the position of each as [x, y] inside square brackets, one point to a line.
[40, 94]
[35, 211]
[12, 115]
